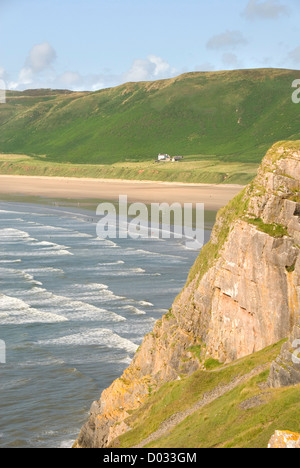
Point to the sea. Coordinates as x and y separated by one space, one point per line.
74 308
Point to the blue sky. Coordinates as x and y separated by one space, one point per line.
94 44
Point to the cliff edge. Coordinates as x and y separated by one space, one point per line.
242 295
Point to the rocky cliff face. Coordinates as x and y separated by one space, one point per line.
242 295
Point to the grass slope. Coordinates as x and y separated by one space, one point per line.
245 417
221 116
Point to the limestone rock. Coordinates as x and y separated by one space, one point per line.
242 295
284 439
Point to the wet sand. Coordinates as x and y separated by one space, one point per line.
213 196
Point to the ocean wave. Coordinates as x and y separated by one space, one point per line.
10 261
10 272
14 212
100 337
71 308
128 272
108 242
51 245
44 270
12 235
119 262
30 278
14 311
13 384
141 252
96 291
145 304
38 253
134 309
57 231
49 361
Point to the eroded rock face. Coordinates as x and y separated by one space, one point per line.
284 439
250 305
242 295
285 371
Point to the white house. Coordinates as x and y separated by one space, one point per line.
164 157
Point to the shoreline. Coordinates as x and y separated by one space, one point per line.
212 195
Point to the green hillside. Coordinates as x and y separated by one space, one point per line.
230 116
222 407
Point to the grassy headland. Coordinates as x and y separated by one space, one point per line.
225 120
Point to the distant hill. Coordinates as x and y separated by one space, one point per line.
234 115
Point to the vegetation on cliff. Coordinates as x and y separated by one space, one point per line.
244 417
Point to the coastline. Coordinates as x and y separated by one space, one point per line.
213 196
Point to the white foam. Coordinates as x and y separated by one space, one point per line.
14 212
26 276
119 262
38 253
92 286
96 291
134 309
57 231
14 311
10 261
67 444
44 270
146 304
141 252
31 279
10 234
100 337
52 245
71 309
128 272
108 242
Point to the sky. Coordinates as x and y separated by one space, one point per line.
95 44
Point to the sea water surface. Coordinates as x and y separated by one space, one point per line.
73 310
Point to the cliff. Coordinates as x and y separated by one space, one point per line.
242 295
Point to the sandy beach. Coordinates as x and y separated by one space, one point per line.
214 196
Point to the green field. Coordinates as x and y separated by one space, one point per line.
227 120
190 170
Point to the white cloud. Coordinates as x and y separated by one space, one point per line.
229 39
40 57
76 82
151 68
38 72
268 9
